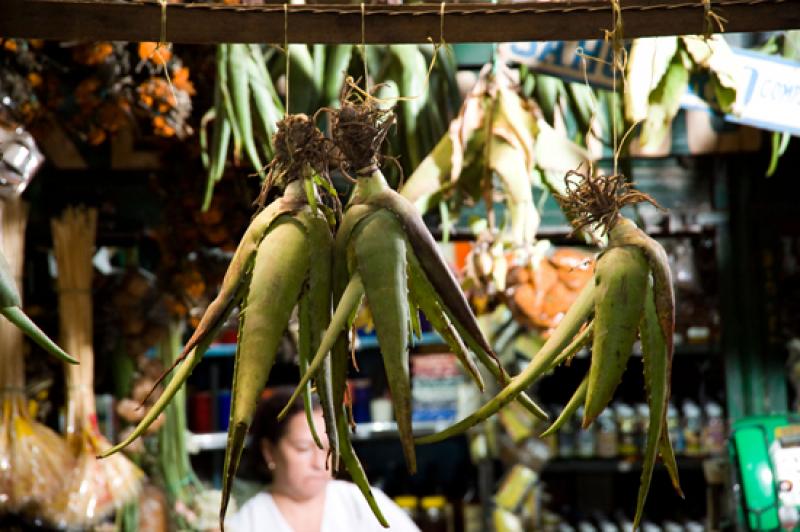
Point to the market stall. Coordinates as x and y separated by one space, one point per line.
542 283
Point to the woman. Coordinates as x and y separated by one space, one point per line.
302 496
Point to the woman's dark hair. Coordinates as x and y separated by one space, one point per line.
267 426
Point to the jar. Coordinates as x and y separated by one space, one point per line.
642 423
606 434
692 428
714 429
627 443
433 514
408 503
674 430
584 438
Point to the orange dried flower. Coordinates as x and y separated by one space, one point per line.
151 51
10 45
161 127
96 136
180 79
85 92
35 79
111 117
93 54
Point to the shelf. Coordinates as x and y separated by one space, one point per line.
388 429
222 350
428 338
612 465
212 441
561 235
215 441
196 23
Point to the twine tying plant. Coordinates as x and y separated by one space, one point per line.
712 20
359 128
162 43
619 61
287 52
300 147
368 94
596 200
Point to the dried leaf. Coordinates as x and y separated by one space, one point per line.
664 103
648 62
715 55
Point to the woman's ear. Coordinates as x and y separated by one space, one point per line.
267 451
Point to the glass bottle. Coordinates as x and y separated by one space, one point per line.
692 428
408 503
714 429
584 438
674 429
626 421
433 516
642 424
606 434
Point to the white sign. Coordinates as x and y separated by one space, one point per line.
568 60
769 98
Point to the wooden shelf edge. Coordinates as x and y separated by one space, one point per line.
216 441
613 465
66 20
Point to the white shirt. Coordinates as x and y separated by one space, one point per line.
345 509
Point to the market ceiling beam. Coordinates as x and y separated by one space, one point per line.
67 20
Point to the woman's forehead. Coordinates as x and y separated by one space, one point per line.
298 425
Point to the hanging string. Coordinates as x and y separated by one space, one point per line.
287 51
162 43
365 92
364 47
595 105
712 20
618 63
622 63
441 25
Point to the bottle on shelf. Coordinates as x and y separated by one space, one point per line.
360 392
692 428
472 510
627 444
566 437
674 429
585 439
607 526
625 524
381 410
409 504
649 526
714 438
434 515
607 436
642 424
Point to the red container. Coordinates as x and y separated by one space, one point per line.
201 418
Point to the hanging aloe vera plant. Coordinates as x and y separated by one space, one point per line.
246 110
631 291
384 253
497 135
282 262
247 104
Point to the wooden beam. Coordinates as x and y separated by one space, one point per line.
66 20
